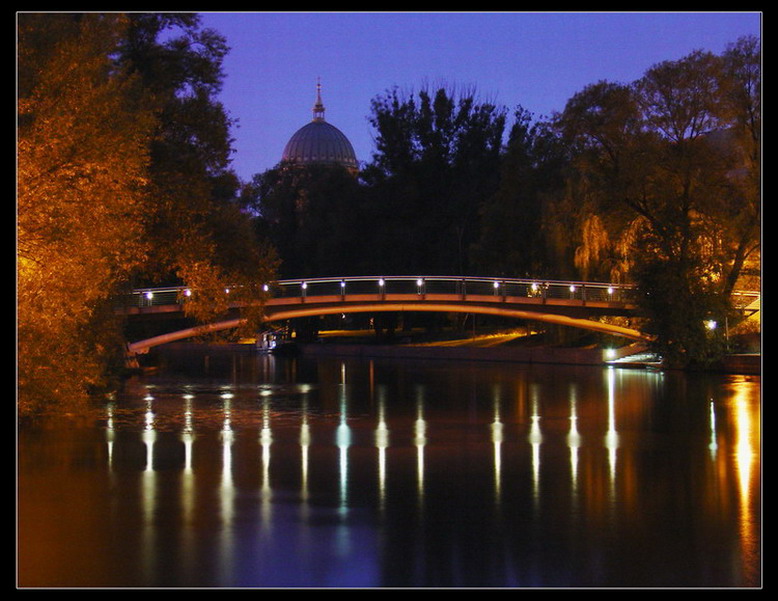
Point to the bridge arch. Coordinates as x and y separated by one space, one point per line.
501 311
312 310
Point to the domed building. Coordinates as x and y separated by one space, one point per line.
320 143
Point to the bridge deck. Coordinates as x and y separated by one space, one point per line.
451 302
576 304
409 302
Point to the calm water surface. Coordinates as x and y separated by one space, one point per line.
242 470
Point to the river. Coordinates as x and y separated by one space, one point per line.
240 470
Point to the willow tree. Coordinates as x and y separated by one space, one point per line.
602 129
83 139
664 157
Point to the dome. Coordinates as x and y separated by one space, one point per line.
320 143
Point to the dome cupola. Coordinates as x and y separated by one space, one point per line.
320 143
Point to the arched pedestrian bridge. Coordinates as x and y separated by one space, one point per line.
570 303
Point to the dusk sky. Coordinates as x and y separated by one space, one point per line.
536 60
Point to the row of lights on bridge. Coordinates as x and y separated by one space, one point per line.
420 284
150 295
381 283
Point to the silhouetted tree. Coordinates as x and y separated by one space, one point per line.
193 223
437 160
512 239
313 215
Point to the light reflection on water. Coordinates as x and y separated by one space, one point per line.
291 473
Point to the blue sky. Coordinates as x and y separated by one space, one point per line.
536 60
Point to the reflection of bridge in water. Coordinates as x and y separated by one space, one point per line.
569 303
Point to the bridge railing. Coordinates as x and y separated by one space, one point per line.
463 286
148 297
426 285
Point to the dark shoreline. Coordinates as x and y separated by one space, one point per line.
747 364
744 364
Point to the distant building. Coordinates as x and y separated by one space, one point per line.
320 143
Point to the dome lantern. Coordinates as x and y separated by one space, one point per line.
318 108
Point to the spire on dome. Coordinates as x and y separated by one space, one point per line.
318 108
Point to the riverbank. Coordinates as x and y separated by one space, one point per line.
632 356
749 364
513 354
635 355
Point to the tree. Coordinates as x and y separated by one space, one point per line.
436 162
83 136
664 164
123 176
513 239
602 128
742 109
314 216
192 219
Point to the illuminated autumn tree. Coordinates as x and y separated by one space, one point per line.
83 137
123 176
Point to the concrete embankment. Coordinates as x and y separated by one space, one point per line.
749 364
632 356
540 354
